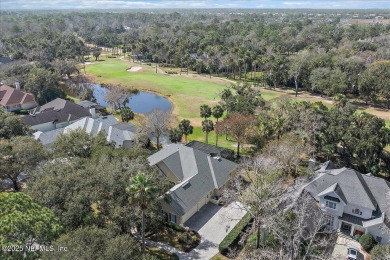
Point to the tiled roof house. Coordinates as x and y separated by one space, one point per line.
14 99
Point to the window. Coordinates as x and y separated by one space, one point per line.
330 204
172 218
357 211
160 212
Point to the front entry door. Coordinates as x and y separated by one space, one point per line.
346 228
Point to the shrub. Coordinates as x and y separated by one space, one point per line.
22 112
367 241
185 238
380 252
234 234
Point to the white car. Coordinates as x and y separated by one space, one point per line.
354 254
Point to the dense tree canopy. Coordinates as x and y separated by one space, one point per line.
11 125
19 154
254 46
93 192
24 222
44 85
95 243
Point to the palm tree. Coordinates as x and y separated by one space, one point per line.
175 135
186 128
207 127
126 114
278 127
142 191
205 111
217 113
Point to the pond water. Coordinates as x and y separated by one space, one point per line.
142 103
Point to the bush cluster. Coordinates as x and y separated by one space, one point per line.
234 234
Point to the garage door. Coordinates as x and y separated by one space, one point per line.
202 202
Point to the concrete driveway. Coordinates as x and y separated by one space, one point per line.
213 223
341 247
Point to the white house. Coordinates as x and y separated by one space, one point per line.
121 134
356 203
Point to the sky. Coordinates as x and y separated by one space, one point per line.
151 4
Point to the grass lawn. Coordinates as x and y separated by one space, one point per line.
186 93
198 135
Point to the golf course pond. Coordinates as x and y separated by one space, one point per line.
142 103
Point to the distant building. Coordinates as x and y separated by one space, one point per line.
14 99
121 134
56 114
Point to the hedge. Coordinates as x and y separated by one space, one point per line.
367 241
234 234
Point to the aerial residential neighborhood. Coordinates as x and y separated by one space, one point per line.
208 130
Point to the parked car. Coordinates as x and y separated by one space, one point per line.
354 254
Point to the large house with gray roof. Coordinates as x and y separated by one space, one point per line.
356 203
196 176
58 113
121 134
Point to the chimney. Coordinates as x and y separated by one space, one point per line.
17 85
92 112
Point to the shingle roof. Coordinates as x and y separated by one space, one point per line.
117 132
93 125
198 172
12 96
49 137
328 165
58 110
357 188
121 132
211 149
352 219
89 104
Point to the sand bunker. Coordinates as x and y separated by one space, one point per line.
88 63
134 69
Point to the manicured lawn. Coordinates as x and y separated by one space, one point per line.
198 135
187 94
